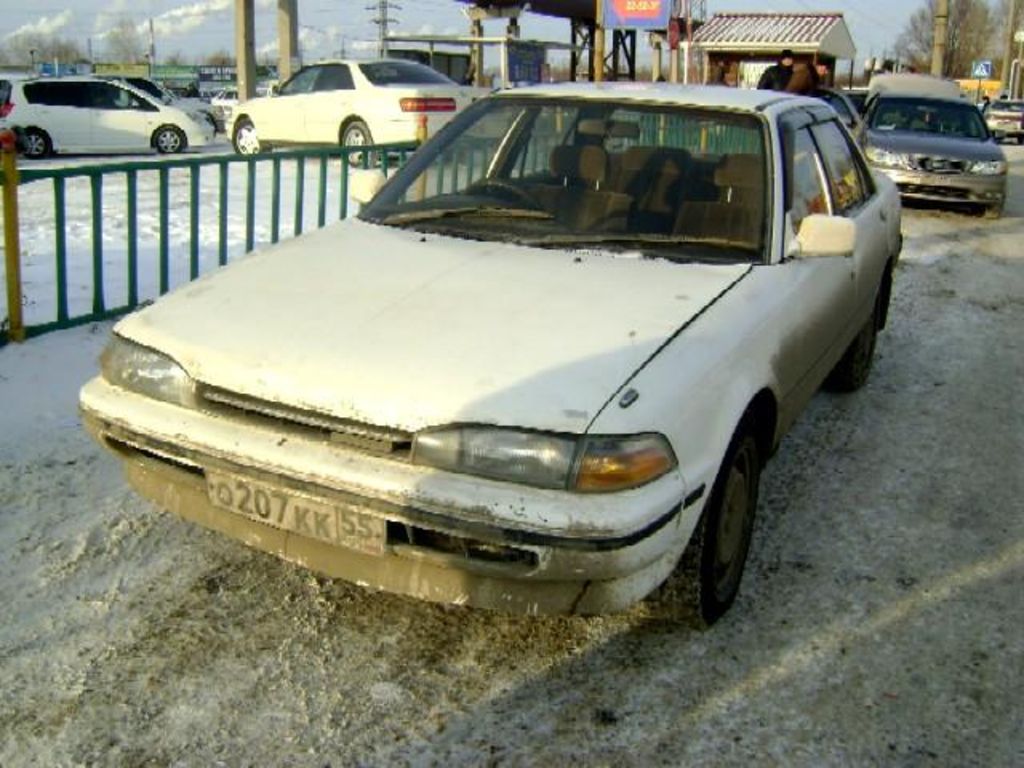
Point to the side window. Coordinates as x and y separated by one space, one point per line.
55 94
847 177
334 77
106 96
301 83
810 193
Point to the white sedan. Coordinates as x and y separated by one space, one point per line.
350 103
542 370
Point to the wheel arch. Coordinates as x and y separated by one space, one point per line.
761 418
348 121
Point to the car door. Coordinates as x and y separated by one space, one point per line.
330 103
121 119
855 197
61 108
284 118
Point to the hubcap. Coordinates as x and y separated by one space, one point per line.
168 141
248 142
34 145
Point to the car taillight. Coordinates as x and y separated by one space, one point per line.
6 109
429 104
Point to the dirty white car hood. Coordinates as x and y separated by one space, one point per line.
409 330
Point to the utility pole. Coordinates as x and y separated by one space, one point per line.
152 47
598 41
382 20
1011 29
939 37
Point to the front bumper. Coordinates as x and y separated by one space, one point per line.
557 552
951 188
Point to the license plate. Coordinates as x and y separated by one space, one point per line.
332 522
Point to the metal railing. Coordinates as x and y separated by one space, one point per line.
326 162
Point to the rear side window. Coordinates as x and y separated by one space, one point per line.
334 77
402 73
5 91
57 94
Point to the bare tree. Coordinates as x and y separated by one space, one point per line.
124 43
29 47
970 31
220 59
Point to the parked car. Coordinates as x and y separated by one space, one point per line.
935 148
194 106
223 104
1005 119
87 114
542 370
350 103
841 103
858 97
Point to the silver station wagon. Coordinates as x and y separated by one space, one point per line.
543 368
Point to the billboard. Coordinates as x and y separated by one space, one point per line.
637 14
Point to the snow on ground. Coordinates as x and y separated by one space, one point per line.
879 622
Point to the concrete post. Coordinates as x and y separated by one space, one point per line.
939 39
288 61
245 48
598 41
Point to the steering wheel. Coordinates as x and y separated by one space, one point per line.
509 191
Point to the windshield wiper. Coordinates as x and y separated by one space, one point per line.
639 239
477 211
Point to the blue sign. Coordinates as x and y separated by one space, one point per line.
525 62
982 69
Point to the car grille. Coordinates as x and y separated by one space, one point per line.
368 438
924 190
938 164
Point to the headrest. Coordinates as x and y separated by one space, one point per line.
587 163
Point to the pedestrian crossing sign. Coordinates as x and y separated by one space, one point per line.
982 69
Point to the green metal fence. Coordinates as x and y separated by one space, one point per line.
229 170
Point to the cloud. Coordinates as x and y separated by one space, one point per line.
184 19
45 26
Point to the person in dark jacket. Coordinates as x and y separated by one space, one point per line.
776 77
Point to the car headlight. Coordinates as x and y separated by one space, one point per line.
989 167
542 460
147 372
886 158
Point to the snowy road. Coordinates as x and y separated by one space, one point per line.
879 621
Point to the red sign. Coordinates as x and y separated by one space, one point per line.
637 14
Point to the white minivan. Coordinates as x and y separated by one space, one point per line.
86 114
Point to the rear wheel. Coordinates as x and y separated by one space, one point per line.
707 579
37 143
355 133
169 140
245 139
993 211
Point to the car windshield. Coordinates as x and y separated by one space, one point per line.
675 182
1007 106
402 73
948 118
154 90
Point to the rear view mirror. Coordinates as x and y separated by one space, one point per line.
822 235
363 185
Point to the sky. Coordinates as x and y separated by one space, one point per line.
330 27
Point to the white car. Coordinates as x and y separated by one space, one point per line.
543 368
87 114
163 95
350 103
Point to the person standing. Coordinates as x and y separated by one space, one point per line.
776 77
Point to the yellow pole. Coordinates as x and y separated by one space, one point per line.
12 243
598 41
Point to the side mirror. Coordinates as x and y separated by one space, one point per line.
364 185
822 235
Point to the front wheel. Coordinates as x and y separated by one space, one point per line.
356 133
169 140
245 139
707 579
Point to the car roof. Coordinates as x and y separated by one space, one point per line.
665 93
914 84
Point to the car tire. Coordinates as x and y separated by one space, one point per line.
853 368
169 140
36 143
993 211
245 139
707 578
355 133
